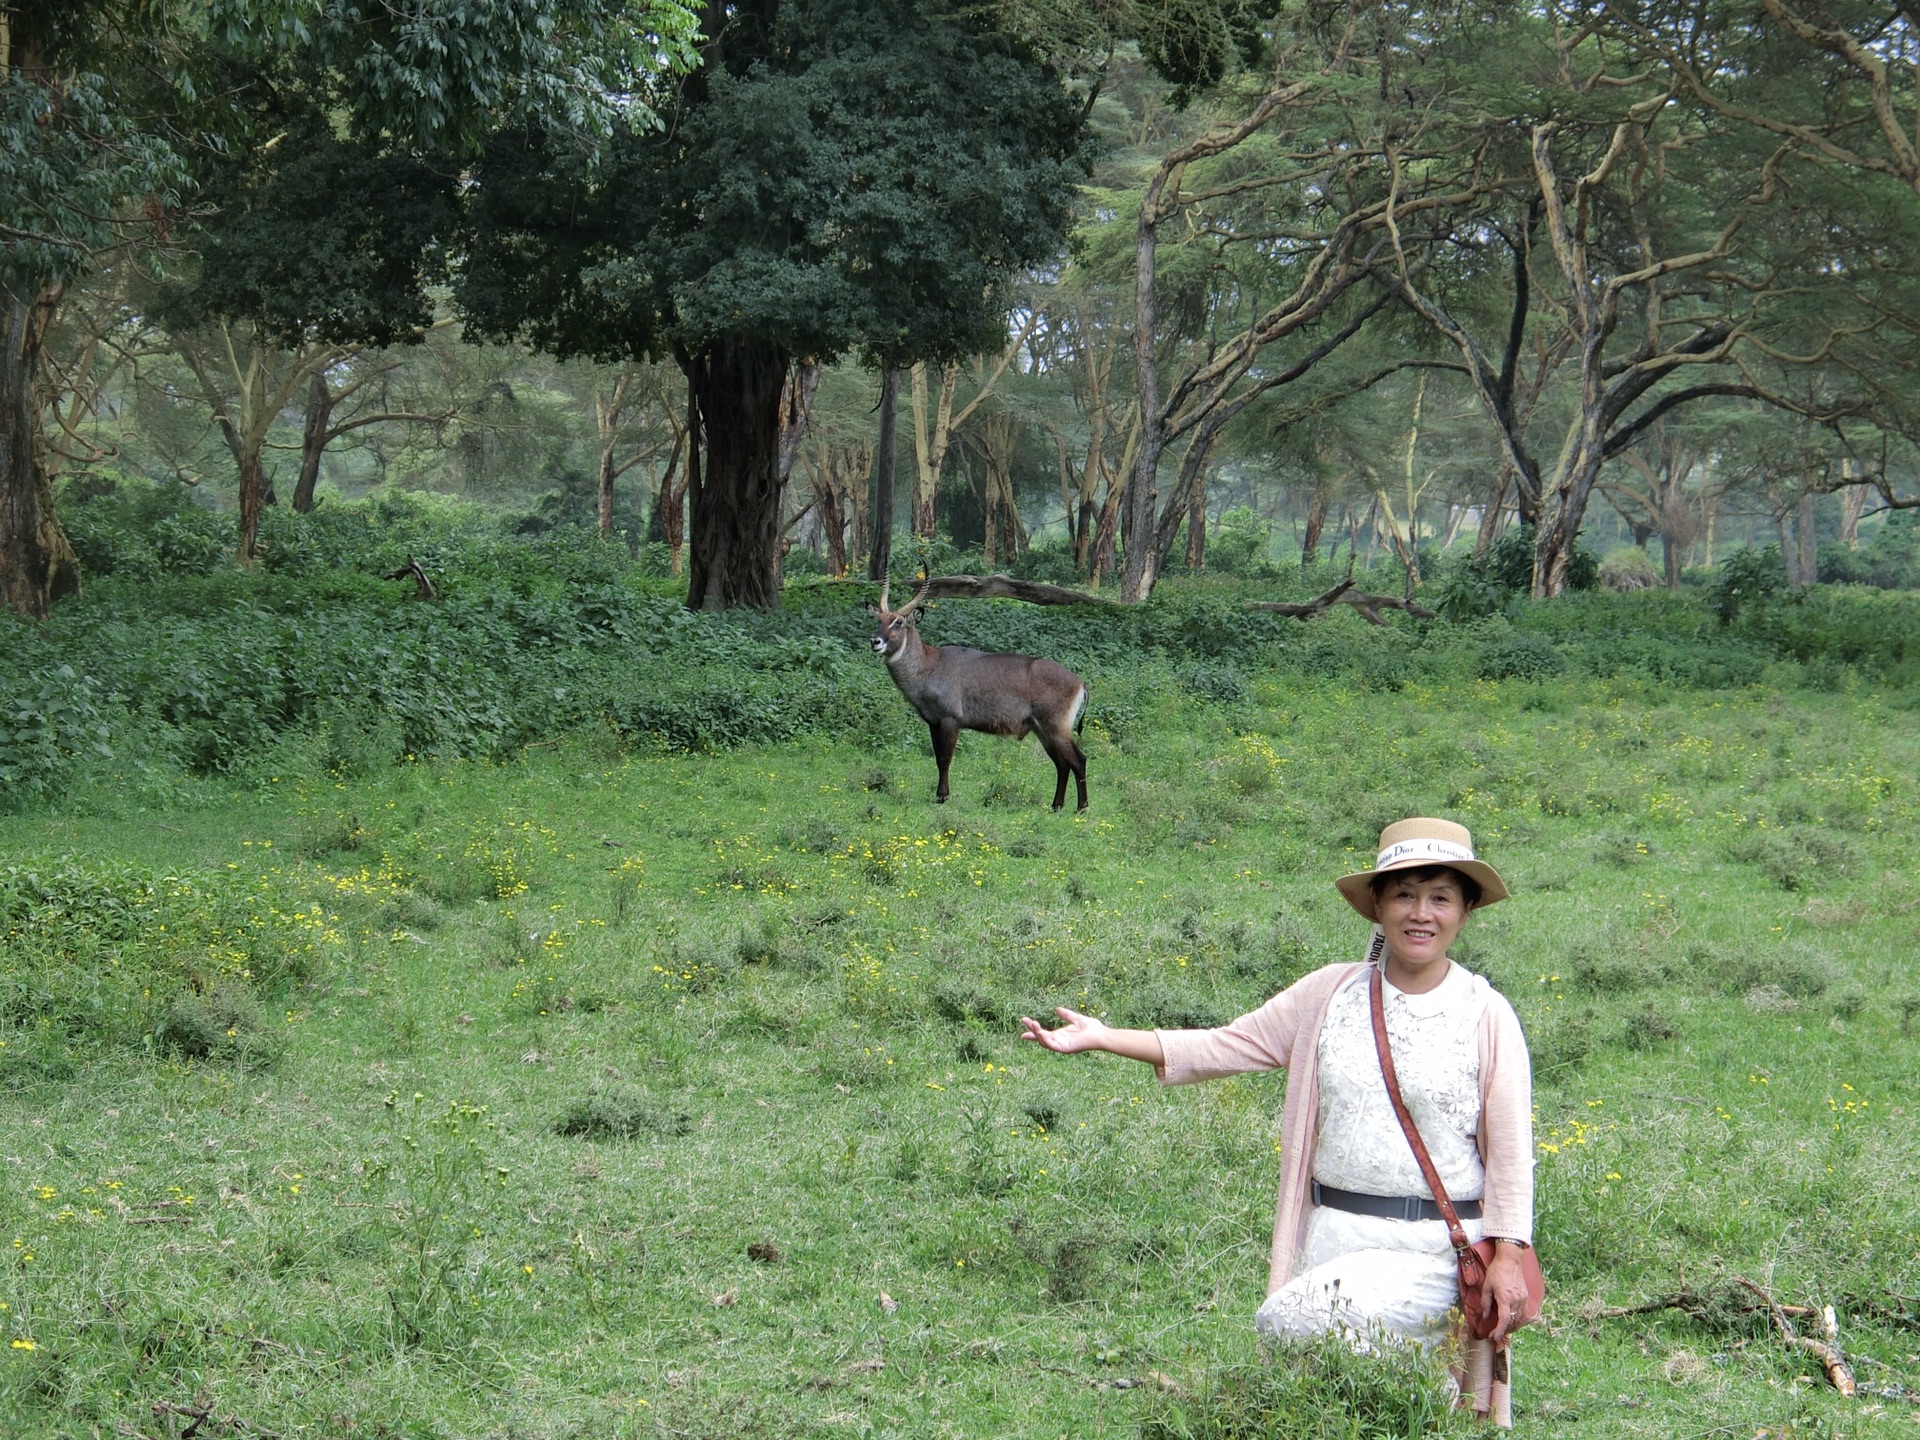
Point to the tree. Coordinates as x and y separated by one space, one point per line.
73 158
106 106
833 178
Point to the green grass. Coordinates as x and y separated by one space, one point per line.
654 1094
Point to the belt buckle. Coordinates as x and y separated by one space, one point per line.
1413 1209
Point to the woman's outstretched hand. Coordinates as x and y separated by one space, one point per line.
1077 1032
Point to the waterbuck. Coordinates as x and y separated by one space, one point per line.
954 688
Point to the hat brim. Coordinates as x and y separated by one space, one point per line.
1358 889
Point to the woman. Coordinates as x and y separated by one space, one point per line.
1347 1254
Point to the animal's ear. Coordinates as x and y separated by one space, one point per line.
872 609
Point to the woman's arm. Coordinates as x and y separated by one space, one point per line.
1079 1032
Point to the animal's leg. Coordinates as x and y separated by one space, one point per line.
946 733
1080 771
1060 754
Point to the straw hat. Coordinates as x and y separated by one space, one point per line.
1412 844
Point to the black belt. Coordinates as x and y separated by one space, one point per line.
1390 1207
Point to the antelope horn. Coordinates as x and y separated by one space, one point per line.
885 581
926 584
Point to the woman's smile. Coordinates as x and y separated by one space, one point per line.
1421 918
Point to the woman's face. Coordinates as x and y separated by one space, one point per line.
1422 917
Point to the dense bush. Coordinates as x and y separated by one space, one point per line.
1889 559
106 953
315 661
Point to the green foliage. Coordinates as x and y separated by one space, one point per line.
438 1174
844 177
1519 656
776 999
1628 568
1314 1391
1888 560
1747 578
1237 543
225 1026
619 1112
49 721
109 954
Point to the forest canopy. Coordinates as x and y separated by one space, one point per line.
1145 281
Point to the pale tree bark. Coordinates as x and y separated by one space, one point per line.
1333 269
837 475
1093 342
670 499
1326 485
98 335
323 422
796 412
935 421
1667 500
1595 288
1005 535
247 383
1197 522
1103 552
609 413
1853 504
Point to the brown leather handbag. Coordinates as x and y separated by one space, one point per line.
1473 1258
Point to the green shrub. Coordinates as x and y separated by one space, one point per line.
1520 656
619 1112
98 951
1628 569
49 720
1747 577
1318 1390
1238 542
224 1025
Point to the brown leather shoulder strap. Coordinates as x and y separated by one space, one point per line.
1456 1232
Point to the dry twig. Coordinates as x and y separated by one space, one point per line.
1839 1373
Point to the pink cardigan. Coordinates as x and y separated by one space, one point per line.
1284 1034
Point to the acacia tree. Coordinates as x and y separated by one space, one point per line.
1662 255
833 178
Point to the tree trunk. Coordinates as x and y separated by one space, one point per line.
1557 536
796 413
1853 504
735 498
1809 541
253 499
1197 522
1137 575
1316 522
881 556
932 431
1669 561
37 564
830 514
313 441
1490 518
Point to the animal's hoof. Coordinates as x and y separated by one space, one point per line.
939 799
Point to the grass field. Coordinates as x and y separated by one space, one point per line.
608 1093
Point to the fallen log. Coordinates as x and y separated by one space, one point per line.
1369 606
1005 587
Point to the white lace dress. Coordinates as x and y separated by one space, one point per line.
1364 1274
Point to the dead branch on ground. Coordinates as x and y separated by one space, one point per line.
1369 606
